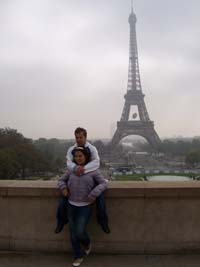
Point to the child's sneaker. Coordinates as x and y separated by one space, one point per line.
77 262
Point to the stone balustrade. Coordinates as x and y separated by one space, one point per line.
145 217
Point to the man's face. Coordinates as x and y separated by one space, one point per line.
80 139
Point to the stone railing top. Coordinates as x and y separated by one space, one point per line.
115 189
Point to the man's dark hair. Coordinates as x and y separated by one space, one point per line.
80 130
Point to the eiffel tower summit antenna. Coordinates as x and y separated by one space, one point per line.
131 6
139 122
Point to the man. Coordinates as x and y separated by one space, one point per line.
81 141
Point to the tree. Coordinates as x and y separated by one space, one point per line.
100 146
193 158
9 165
18 156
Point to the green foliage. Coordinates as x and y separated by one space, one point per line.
179 147
9 165
54 151
10 138
100 146
132 177
19 158
193 158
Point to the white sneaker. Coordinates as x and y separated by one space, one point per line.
77 262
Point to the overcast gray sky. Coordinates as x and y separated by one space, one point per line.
64 63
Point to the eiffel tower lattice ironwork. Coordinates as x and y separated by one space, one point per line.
139 123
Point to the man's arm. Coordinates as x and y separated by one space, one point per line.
94 164
70 164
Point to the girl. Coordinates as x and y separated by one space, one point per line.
82 192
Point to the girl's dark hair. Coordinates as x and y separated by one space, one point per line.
86 152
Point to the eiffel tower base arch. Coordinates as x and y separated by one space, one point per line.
143 129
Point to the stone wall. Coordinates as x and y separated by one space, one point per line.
145 217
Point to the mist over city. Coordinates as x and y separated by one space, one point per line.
65 64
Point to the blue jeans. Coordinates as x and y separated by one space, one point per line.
62 213
102 217
78 220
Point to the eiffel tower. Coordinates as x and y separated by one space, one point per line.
139 122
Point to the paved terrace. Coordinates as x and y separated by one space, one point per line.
62 260
153 224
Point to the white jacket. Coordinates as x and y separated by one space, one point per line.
91 166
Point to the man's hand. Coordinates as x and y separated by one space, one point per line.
79 171
65 192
